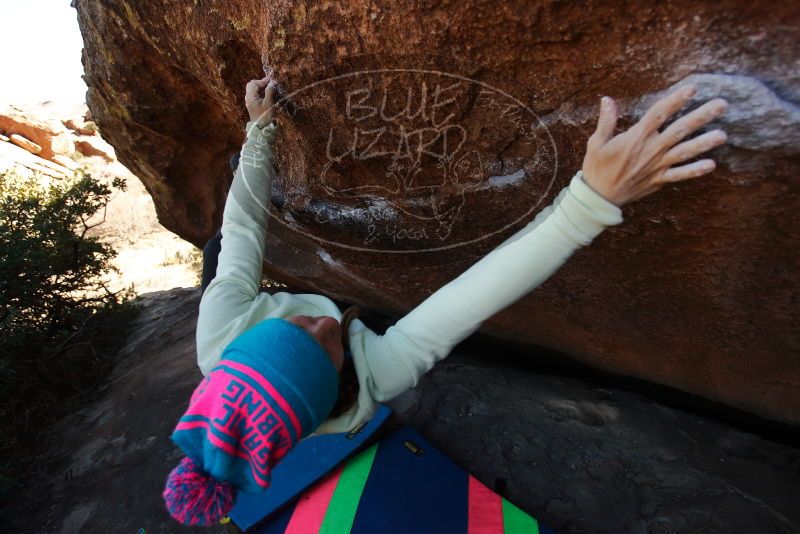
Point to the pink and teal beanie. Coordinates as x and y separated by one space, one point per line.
273 385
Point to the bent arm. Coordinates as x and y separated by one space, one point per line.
244 227
427 334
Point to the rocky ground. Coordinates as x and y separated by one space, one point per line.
582 458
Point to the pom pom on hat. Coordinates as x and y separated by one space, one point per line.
194 498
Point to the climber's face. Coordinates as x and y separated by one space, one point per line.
327 331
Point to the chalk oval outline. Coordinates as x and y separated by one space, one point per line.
433 249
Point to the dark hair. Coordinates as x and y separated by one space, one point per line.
348 379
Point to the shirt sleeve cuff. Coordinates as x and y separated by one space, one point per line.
587 210
261 132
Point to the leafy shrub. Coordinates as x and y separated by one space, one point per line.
56 311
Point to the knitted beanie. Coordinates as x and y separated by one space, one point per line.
273 386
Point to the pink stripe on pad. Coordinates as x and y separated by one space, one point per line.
311 508
485 509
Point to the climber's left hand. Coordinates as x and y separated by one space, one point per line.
640 161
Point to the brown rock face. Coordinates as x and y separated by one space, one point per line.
422 134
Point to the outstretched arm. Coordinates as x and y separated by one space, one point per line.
511 270
615 172
231 293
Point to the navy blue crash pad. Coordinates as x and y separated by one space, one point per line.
401 484
309 461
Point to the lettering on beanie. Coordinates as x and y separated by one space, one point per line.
234 407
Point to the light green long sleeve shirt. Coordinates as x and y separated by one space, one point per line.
386 364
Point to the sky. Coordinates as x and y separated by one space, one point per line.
40 55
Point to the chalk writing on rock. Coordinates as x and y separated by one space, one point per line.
432 145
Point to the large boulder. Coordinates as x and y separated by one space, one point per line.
698 289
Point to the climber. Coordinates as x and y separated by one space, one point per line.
299 363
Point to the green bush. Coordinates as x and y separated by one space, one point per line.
56 311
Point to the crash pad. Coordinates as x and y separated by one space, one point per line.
309 461
400 484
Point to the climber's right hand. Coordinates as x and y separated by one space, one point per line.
640 161
260 108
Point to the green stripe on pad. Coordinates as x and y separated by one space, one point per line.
344 502
515 521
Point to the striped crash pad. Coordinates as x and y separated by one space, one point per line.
400 484
310 460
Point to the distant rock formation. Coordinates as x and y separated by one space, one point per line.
461 123
50 140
